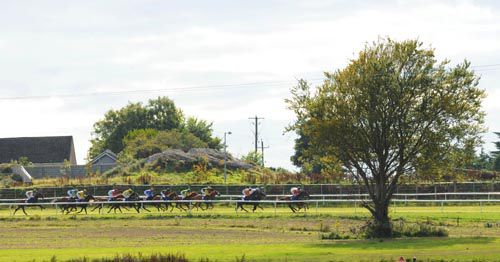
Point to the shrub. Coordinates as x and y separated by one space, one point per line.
408 230
134 258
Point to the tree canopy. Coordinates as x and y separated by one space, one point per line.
159 114
142 143
394 110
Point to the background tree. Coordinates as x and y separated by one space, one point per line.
392 111
495 155
159 114
145 142
253 157
203 130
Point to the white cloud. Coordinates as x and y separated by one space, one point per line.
71 48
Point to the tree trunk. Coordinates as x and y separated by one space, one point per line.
382 226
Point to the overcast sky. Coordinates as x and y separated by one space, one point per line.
222 61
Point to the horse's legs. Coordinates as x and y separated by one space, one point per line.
143 206
244 209
291 207
24 211
18 207
96 207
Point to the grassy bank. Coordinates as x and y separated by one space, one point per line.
224 235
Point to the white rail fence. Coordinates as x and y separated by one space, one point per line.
273 203
324 197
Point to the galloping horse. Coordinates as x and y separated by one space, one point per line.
34 200
156 197
211 196
173 196
118 206
190 205
85 203
253 199
303 195
68 208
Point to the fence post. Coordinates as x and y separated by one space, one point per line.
275 206
317 207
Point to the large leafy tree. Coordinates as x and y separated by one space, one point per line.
159 114
394 110
203 130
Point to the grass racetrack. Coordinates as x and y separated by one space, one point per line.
223 235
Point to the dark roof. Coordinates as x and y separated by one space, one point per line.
106 152
53 149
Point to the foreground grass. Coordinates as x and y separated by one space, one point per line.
224 235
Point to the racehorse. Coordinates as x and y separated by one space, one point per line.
34 200
156 197
68 208
173 196
253 199
118 206
303 195
211 196
84 204
189 205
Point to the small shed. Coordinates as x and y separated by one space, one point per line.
104 161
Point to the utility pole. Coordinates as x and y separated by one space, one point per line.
262 147
256 133
225 156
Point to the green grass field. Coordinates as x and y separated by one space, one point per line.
223 235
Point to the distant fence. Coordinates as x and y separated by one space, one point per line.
38 171
430 191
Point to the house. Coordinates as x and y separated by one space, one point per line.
39 150
104 161
105 158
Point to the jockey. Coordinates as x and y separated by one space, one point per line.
81 195
72 193
127 194
295 192
185 192
165 193
30 195
112 194
206 191
247 192
149 193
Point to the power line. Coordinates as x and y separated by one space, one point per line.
490 65
480 68
160 90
